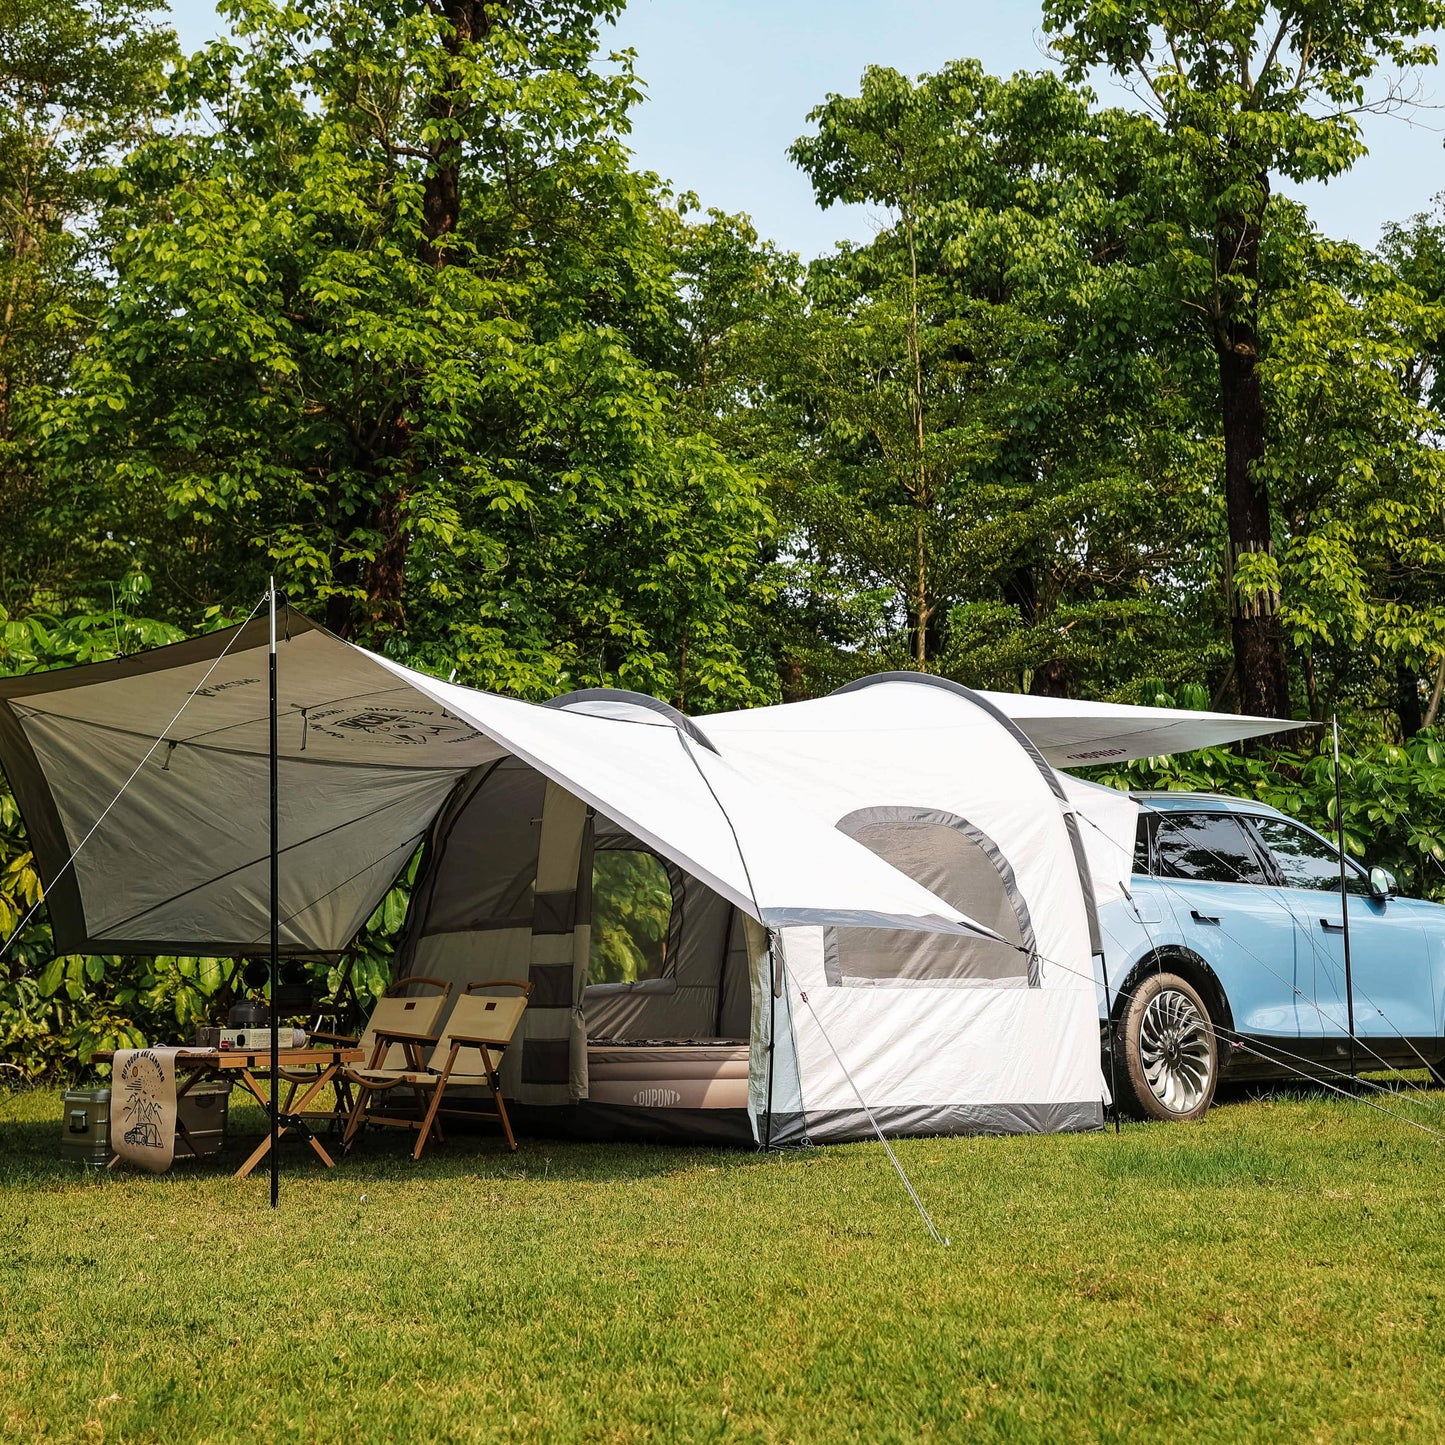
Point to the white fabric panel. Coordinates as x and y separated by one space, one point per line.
1081 734
183 854
907 744
1108 820
939 1048
693 807
910 745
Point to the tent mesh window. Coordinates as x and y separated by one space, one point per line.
632 909
486 871
963 866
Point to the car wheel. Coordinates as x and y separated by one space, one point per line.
1168 1049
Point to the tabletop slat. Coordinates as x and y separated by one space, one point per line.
251 1058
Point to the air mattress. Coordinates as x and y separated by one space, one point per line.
669 1076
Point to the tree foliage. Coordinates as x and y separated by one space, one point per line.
435 423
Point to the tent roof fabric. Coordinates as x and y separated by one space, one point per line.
1074 734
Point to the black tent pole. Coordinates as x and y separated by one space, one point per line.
1344 894
275 927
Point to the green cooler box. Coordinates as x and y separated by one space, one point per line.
85 1126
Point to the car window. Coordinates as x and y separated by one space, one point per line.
1206 847
1304 860
1141 844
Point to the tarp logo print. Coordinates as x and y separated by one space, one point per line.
410 727
142 1080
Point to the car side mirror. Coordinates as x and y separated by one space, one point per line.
1382 884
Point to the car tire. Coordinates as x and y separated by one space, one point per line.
1168 1051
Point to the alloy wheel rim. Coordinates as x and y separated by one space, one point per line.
1174 1049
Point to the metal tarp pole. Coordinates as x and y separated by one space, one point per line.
275 926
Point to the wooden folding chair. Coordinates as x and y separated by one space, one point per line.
481 1025
409 1020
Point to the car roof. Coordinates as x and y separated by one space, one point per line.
1204 803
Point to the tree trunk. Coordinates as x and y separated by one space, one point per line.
386 572
793 680
1259 661
441 194
1050 679
1407 701
384 578
922 606
1433 711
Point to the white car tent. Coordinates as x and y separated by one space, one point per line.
882 897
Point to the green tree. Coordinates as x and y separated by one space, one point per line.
995 456
1356 476
1240 93
381 306
79 80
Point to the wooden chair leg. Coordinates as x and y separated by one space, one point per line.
355 1118
496 1087
438 1089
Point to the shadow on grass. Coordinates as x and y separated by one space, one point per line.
30 1154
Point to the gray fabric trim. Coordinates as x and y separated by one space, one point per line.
551 985
546 1061
863 817
866 918
838 1126
618 1123
555 912
679 720
1086 879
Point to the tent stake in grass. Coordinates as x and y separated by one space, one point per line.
275 923
1344 895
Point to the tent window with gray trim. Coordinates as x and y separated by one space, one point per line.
954 860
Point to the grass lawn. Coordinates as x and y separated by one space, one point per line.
1274 1273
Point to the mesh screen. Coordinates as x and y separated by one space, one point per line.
962 866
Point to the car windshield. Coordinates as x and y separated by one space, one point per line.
1205 847
1304 860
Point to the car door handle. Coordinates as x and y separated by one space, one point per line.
1331 927
1199 917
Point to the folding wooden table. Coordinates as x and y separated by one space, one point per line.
195 1065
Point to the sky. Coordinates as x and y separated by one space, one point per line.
730 84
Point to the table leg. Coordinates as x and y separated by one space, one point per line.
256 1157
321 1153
292 1121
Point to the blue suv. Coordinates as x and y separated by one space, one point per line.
1227 959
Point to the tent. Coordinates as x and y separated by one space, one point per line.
878 899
